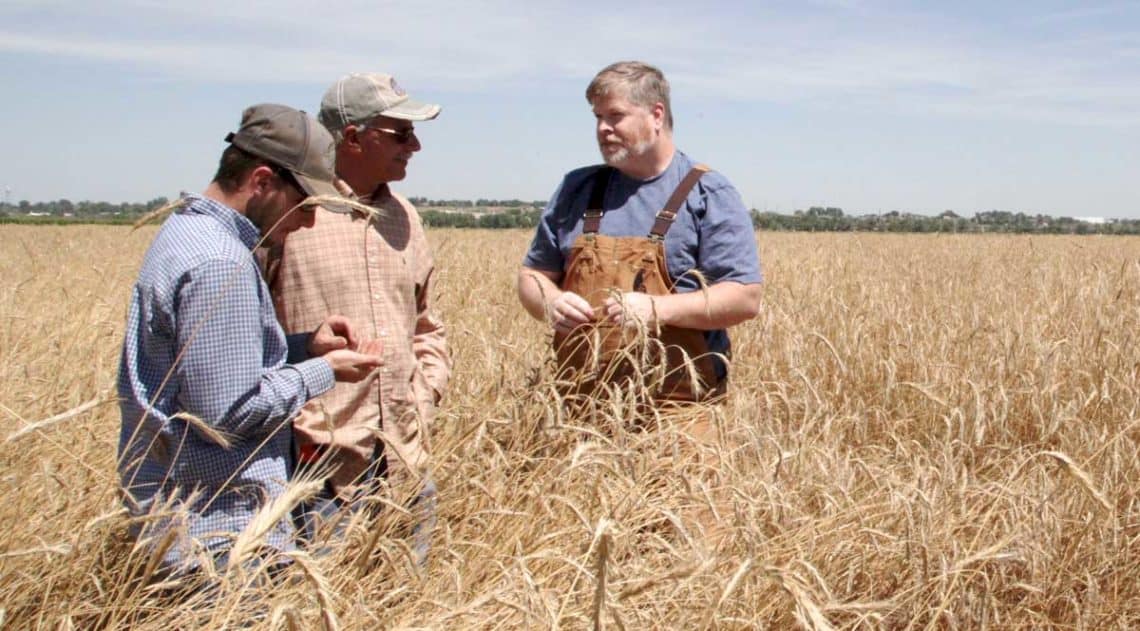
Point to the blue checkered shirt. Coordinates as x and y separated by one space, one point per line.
202 339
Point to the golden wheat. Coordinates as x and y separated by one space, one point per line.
922 432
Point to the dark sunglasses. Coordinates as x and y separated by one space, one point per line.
402 136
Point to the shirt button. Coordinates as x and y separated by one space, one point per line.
376 296
383 332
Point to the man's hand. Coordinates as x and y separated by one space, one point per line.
372 347
633 307
335 333
351 366
568 311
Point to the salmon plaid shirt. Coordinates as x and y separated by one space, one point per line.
379 273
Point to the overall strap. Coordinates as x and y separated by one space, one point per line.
592 220
669 213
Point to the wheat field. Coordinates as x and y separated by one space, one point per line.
922 432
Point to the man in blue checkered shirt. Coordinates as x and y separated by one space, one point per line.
205 394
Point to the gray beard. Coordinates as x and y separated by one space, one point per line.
619 157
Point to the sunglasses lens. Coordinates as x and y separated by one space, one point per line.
402 137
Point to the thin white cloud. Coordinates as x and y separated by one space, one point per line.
837 54
1084 12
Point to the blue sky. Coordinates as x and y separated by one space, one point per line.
869 106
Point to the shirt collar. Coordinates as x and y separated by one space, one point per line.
234 222
378 196
381 193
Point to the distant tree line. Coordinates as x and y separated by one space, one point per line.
478 203
831 219
509 218
64 210
514 213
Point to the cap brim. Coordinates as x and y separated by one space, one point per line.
316 188
412 110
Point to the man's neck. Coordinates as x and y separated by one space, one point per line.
365 188
236 201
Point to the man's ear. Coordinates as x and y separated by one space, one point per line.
260 179
350 137
659 115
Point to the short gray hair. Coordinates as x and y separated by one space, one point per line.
641 83
338 133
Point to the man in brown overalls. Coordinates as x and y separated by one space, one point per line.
642 263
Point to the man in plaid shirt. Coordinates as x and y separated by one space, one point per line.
205 394
372 264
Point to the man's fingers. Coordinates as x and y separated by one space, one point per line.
352 366
324 340
341 326
612 310
372 347
578 305
576 317
367 360
570 309
350 338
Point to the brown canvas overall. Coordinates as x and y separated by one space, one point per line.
601 355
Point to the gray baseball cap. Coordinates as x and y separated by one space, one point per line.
290 139
358 98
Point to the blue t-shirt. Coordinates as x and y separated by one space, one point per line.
712 232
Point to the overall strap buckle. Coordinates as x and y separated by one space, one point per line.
665 218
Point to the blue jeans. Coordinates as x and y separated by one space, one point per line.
327 514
